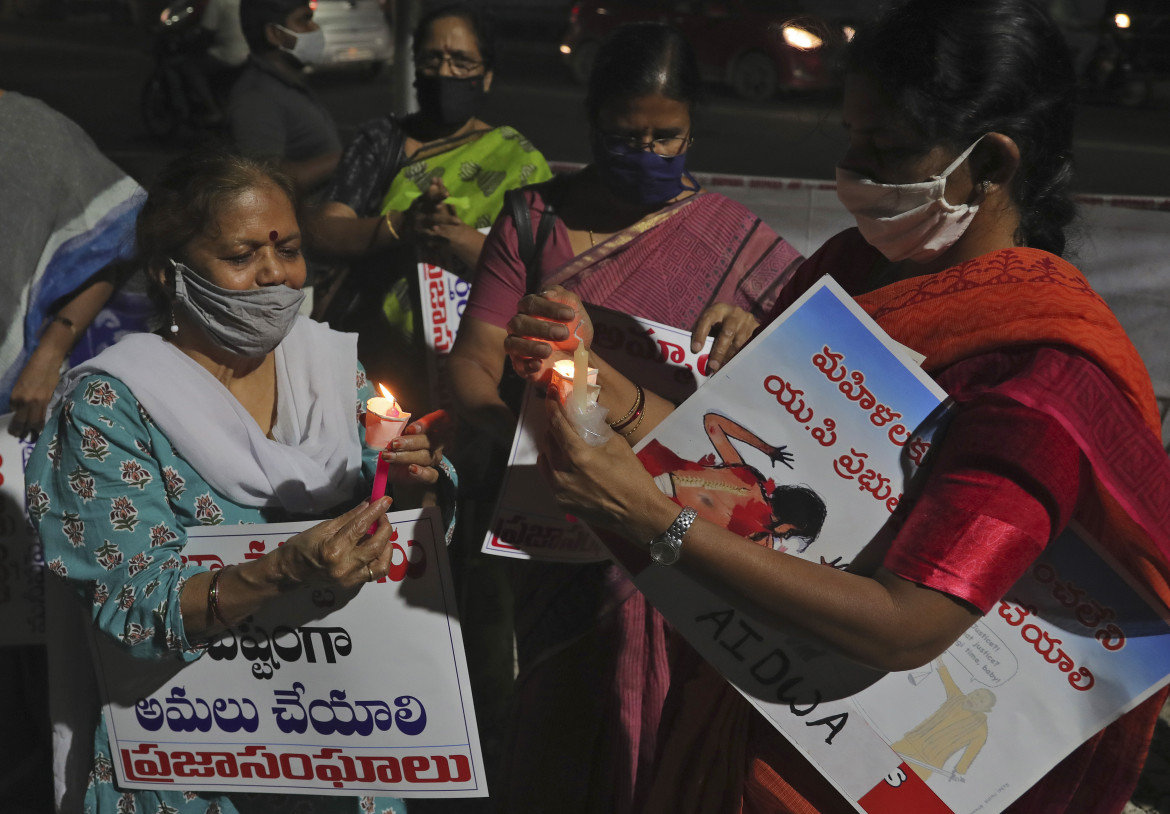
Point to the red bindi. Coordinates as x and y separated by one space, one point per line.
273 235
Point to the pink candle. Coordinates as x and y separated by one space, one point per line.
384 422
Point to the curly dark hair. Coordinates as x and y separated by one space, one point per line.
958 69
184 202
185 198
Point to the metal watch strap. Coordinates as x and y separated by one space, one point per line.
664 549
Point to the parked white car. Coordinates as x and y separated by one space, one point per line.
356 33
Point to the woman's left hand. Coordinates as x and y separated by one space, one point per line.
424 213
33 391
603 485
435 225
732 328
546 328
419 450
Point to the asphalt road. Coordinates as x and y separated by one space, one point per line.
93 72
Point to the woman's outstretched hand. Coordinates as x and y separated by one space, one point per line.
781 455
339 551
546 328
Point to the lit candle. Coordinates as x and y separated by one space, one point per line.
564 376
384 422
580 377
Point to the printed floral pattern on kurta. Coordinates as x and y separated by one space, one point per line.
112 501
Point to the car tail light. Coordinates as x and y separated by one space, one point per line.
801 38
574 14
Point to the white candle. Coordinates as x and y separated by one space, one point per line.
580 377
563 376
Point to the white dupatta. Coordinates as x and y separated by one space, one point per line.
312 462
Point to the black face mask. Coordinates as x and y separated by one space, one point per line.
447 100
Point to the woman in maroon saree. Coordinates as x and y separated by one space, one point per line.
1054 420
634 234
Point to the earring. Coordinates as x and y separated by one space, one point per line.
985 184
174 325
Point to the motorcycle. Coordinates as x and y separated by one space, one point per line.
169 101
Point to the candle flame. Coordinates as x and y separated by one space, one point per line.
386 393
564 368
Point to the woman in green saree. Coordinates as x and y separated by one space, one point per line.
419 187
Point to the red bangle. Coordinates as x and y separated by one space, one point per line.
632 416
213 597
638 416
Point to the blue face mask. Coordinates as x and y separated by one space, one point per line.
640 176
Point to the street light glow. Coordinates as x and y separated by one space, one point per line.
801 39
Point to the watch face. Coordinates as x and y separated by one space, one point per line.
664 552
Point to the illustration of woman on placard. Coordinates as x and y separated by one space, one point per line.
736 494
958 725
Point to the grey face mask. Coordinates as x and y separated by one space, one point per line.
248 323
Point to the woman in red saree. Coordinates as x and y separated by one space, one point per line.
735 493
633 233
1055 418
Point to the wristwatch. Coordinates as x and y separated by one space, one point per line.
664 549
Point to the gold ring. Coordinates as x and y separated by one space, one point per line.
370 571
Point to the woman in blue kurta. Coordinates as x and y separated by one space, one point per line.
241 412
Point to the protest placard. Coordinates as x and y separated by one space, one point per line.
527 523
22 580
323 692
444 296
823 405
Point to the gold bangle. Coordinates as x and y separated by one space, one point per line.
639 400
66 321
638 423
213 597
390 226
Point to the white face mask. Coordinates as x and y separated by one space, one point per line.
906 221
309 46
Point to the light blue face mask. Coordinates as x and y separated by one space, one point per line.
247 323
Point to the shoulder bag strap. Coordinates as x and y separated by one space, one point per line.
547 221
524 245
530 250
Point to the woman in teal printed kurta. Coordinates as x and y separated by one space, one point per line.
112 500
152 440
